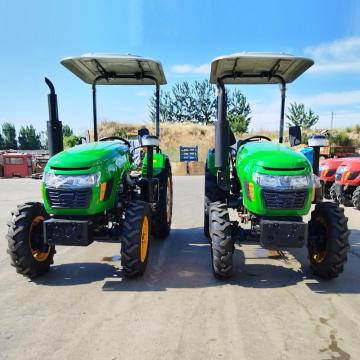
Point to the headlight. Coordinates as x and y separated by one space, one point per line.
71 181
283 182
316 181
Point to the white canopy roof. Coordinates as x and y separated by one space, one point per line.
258 68
89 66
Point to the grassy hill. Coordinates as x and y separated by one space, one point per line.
175 134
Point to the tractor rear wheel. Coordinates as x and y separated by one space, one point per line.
222 244
135 238
162 215
213 193
328 240
29 254
333 194
356 198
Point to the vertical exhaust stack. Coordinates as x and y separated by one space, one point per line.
221 129
54 126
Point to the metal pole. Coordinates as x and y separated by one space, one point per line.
157 125
332 120
94 110
282 113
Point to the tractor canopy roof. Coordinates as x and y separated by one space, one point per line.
258 68
116 69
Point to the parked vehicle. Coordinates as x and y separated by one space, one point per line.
269 185
327 170
95 191
347 183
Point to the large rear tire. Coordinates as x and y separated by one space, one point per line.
135 238
328 240
222 243
162 215
29 254
213 193
356 198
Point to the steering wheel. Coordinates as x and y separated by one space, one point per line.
253 138
106 138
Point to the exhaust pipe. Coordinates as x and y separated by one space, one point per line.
221 129
54 126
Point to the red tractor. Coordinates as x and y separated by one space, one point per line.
327 170
347 182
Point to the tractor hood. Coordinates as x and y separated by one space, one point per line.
271 157
87 155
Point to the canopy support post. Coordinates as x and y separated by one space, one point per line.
157 120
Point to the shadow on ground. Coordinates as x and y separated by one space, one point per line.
183 261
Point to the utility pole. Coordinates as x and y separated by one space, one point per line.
332 120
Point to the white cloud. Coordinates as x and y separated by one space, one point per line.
142 93
345 104
191 69
339 56
332 99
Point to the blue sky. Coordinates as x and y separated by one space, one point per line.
185 35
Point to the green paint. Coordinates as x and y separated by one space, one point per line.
256 157
110 158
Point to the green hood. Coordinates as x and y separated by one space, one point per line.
87 155
271 156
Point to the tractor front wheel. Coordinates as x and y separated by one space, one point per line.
213 193
162 214
222 244
135 238
356 198
29 254
333 194
328 240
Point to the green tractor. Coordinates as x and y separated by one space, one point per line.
268 185
95 191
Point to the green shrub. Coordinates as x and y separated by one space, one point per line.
70 141
340 138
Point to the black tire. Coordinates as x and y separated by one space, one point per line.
162 215
333 194
29 254
212 194
222 243
206 217
133 256
328 240
356 198
326 191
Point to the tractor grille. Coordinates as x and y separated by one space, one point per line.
68 199
285 200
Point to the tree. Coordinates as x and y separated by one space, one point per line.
238 123
2 144
299 116
28 138
238 111
67 131
166 110
205 102
9 134
183 105
197 103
